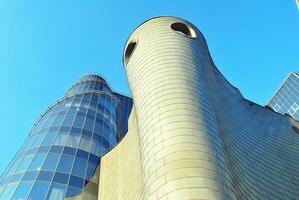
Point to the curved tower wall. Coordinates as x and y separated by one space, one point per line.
167 73
121 171
192 135
64 147
260 146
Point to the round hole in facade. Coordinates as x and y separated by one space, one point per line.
129 51
183 29
296 129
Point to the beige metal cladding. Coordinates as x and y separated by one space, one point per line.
121 175
167 62
191 134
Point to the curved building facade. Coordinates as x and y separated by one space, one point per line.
192 135
64 146
167 76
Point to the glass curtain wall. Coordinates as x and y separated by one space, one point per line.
286 99
64 147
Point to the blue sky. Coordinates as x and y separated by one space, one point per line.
46 46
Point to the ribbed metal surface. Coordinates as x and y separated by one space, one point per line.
167 75
199 138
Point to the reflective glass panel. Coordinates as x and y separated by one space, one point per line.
51 162
79 167
73 141
65 163
23 190
25 163
66 142
29 176
8 191
56 191
39 190
37 161
60 139
61 178
45 176
49 139
72 191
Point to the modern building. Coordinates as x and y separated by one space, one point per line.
64 146
286 97
190 133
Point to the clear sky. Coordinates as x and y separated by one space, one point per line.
46 46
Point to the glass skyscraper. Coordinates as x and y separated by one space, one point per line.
286 98
64 146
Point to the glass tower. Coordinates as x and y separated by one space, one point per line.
286 98
64 146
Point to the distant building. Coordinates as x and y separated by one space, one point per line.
286 98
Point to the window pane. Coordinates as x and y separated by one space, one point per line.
61 178
49 139
39 191
73 141
60 139
88 125
84 143
23 190
82 154
76 181
16 177
79 167
32 151
69 151
9 190
43 149
58 120
90 169
1 188
79 121
29 143
39 139
95 148
68 121
56 191
72 191
25 163
56 149
86 133
29 176
15 166
49 121
45 176
98 126
65 163
37 162
51 162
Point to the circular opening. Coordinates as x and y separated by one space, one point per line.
129 51
183 29
295 128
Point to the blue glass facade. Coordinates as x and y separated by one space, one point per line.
286 99
64 146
